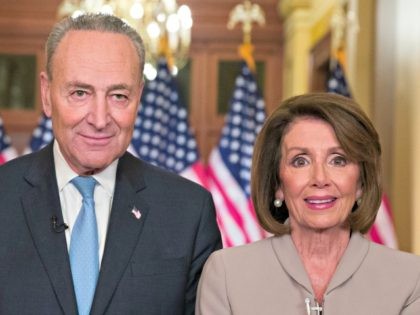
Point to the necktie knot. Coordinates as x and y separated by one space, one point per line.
85 185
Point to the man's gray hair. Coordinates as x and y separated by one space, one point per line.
92 22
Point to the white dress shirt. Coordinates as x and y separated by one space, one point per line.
71 199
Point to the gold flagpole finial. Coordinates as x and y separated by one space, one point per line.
246 13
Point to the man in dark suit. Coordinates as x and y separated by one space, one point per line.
136 243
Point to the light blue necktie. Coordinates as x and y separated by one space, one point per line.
84 247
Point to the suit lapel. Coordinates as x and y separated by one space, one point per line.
123 232
354 255
40 203
350 262
288 257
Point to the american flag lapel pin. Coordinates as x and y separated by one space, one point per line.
136 213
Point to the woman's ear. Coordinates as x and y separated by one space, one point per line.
279 193
359 192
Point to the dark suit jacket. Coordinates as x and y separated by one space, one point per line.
149 266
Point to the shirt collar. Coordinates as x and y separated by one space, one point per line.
65 174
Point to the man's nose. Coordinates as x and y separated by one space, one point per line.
99 114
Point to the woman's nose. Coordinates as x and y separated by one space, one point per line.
320 176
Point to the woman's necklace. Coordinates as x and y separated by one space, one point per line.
309 309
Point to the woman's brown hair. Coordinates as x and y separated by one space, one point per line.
354 132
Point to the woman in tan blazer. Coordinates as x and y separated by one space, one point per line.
316 187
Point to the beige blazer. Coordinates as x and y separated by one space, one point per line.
268 277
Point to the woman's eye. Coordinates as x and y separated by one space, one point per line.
299 161
339 160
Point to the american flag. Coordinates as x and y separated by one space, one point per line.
382 231
229 169
162 135
337 82
7 152
41 136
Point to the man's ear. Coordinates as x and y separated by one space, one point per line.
45 93
141 87
141 91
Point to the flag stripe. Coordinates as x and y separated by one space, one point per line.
229 207
384 228
196 173
9 153
232 234
234 202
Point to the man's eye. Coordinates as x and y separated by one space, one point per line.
79 93
120 97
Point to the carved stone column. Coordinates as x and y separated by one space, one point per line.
297 35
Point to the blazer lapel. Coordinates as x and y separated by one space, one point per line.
353 257
40 203
288 257
124 230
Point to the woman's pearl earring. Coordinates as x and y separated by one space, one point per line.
278 203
